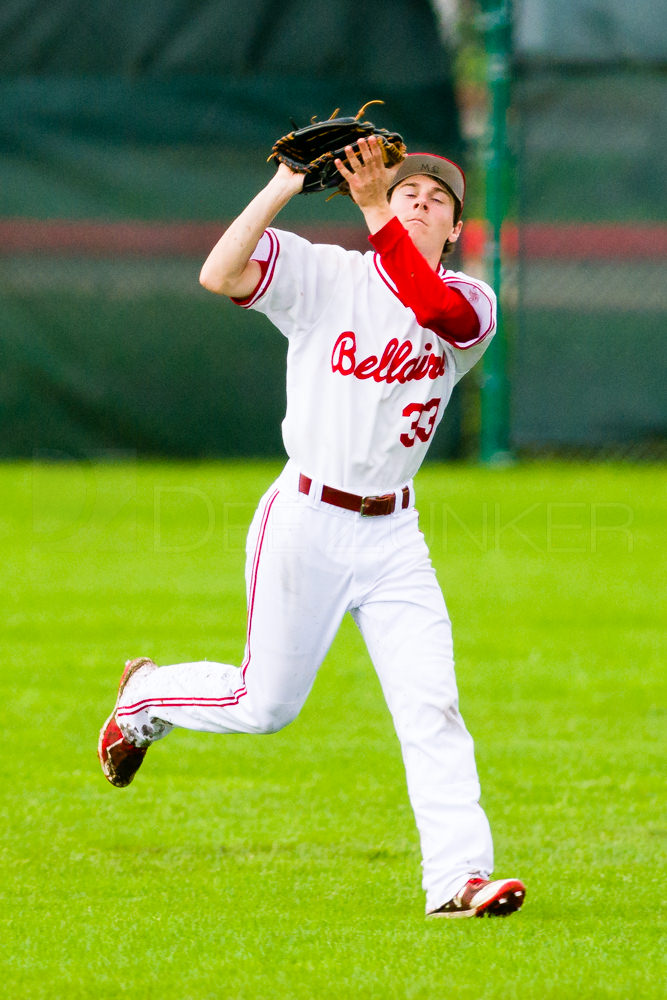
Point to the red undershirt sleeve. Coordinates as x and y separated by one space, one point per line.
436 306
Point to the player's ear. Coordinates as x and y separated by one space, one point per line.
455 233
450 241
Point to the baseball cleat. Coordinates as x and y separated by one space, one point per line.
480 897
119 758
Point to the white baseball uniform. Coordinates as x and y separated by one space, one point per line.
376 343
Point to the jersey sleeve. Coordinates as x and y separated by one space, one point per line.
266 255
296 281
482 298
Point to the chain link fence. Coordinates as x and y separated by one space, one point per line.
586 271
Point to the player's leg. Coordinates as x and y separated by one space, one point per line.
296 600
294 610
405 624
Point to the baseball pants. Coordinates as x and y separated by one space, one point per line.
307 564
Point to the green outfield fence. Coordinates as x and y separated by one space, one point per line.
131 134
130 137
588 362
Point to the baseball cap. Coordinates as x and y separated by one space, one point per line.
444 170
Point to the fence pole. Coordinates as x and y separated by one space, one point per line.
496 24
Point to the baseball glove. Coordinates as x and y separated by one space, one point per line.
311 150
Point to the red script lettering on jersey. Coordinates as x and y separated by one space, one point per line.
396 364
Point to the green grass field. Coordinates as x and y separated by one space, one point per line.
288 866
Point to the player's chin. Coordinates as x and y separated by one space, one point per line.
420 236
419 232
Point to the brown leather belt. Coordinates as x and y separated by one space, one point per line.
366 506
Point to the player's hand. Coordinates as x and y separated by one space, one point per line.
366 174
290 180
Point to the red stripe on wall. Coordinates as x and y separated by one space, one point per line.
571 240
606 241
144 239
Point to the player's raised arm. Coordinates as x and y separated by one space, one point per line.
228 269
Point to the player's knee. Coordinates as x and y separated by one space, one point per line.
428 710
273 718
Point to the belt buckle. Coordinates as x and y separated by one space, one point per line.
367 504
363 511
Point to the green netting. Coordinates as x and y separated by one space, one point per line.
166 112
589 364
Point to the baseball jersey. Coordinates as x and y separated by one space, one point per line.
367 383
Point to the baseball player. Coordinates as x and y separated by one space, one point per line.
376 343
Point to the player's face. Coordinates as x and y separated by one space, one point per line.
426 210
